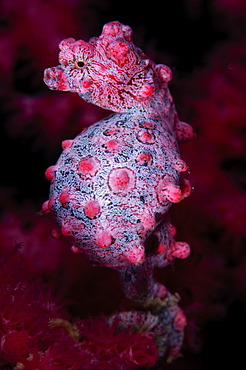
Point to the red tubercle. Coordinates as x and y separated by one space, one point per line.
148 221
112 146
86 84
168 191
66 229
92 209
135 255
162 248
145 91
88 166
47 206
144 159
173 193
179 250
64 197
121 180
50 173
146 137
104 239
180 165
66 144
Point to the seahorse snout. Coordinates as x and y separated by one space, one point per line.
55 78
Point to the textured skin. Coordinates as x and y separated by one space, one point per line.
114 183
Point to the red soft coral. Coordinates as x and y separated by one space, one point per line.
113 346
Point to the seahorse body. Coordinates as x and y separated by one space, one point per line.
114 183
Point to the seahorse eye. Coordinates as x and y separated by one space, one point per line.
80 63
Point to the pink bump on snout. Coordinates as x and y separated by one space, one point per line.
92 209
45 207
145 91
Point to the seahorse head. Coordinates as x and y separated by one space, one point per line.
109 70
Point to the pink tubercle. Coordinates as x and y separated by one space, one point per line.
180 250
66 144
146 137
121 180
162 248
144 159
148 221
92 209
64 197
86 84
88 166
168 191
45 207
135 255
66 230
180 165
50 173
145 91
162 291
174 193
112 145
164 72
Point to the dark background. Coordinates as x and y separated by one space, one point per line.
204 44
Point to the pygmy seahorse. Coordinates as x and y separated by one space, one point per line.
114 183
